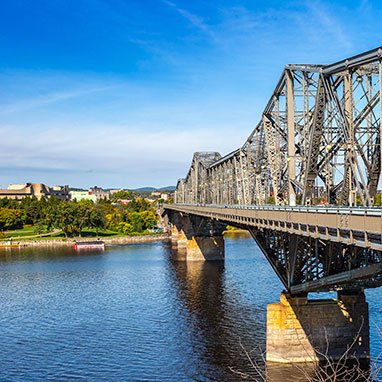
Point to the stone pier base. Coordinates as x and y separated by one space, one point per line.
302 330
174 237
196 238
205 248
198 248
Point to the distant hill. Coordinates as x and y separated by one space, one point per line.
168 188
150 189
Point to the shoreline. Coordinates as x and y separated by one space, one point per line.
106 240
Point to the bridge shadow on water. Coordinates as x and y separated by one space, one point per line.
221 326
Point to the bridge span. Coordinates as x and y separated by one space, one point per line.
318 139
310 248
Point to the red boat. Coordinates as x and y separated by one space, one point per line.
89 245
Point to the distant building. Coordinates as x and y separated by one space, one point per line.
164 196
99 192
155 193
115 191
83 195
38 190
60 192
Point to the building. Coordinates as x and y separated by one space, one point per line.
164 196
99 192
115 191
60 192
38 190
83 195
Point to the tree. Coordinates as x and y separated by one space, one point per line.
38 228
97 218
136 220
81 215
64 217
11 218
32 208
149 219
122 195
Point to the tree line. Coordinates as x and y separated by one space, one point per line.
72 217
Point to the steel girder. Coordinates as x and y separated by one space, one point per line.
321 130
311 264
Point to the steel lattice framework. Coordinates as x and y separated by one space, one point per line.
321 126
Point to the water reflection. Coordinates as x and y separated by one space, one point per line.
220 322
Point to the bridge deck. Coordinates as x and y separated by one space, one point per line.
360 226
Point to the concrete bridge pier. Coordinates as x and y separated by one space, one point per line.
174 237
197 238
302 330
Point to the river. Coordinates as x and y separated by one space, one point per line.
132 313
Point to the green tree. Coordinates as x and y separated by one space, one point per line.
11 218
81 215
149 219
122 195
38 228
9 203
49 212
136 220
64 217
32 208
97 218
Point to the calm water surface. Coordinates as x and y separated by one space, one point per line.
132 313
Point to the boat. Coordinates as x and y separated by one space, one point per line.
10 244
89 245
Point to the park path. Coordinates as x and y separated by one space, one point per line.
33 236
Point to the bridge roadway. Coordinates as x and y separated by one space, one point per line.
360 226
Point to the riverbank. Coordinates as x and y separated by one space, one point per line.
110 240
107 240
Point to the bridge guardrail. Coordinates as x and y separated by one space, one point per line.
357 226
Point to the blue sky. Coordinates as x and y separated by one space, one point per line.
121 93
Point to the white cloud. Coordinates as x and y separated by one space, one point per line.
47 99
192 18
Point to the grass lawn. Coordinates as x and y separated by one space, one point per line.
86 233
26 231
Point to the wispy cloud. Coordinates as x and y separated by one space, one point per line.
47 99
197 21
328 23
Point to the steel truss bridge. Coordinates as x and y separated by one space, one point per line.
319 135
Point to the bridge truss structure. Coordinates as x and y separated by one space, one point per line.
322 126
322 129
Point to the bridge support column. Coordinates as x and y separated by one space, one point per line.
302 330
182 241
205 248
174 237
196 238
